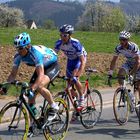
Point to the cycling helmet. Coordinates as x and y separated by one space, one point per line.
22 40
124 35
66 28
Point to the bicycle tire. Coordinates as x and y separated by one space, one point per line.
19 125
59 127
92 111
64 96
138 114
137 108
121 106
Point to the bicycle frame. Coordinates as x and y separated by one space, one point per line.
22 101
124 97
86 89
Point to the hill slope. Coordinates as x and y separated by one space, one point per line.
41 10
64 12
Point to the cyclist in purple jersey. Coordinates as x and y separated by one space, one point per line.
76 58
132 54
46 69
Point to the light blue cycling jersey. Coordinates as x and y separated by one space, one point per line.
73 49
130 53
37 56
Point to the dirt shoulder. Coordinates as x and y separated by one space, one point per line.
100 61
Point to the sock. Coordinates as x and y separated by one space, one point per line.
82 97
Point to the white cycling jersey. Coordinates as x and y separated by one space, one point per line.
130 53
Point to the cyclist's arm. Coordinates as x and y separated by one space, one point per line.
136 65
40 73
13 74
82 66
113 62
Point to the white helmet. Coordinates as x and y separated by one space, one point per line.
124 35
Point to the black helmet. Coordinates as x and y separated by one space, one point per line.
66 28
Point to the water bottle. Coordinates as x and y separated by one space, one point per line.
34 110
132 100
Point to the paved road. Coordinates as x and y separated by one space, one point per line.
107 95
106 128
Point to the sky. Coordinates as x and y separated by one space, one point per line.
1 1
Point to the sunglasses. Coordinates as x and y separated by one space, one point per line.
122 39
19 48
64 35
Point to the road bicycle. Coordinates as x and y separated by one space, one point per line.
14 118
92 110
125 99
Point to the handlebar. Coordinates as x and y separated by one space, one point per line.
16 83
129 79
91 70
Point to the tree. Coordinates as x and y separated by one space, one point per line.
99 16
49 24
10 17
114 20
133 23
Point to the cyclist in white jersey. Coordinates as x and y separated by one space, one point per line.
131 52
46 69
76 57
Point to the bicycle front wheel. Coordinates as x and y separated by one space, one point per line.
121 106
57 129
64 96
138 113
14 124
91 113
137 106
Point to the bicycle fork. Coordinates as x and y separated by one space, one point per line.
18 110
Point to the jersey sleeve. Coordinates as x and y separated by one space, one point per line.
57 46
37 57
79 49
135 49
116 51
17 60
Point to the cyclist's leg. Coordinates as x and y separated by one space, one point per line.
50 73
122 72
71 71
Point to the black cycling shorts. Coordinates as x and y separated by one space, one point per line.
51 71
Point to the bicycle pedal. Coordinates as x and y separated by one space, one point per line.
30 134
77 114
46 124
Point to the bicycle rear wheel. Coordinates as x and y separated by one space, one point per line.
14 124
90 115
121 106
57 129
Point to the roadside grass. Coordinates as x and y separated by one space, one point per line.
93 41
95 81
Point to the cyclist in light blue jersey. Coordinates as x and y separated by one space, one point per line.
46 69
131 52
76 58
